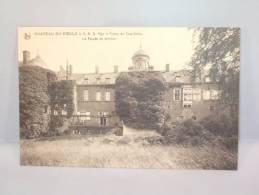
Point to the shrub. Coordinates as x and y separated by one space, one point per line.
188 132
225 127
221 125
216 131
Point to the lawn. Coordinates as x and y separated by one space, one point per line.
128 151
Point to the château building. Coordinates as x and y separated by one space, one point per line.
94 93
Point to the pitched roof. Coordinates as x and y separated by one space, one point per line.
181 76
37 61
95 78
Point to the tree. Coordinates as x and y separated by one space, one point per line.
34 100
139 97
219 48
61 101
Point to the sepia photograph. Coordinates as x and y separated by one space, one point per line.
129 97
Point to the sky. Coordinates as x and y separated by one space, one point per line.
105 47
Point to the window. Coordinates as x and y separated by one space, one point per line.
187 94
214 94
187 105
178 79
86 95
103 113
98 96
55 112
98 80
187 97
64 112
177 95
196 94
86 81
107 96
206 94
107 80
85 116
103 121
103 118
88 118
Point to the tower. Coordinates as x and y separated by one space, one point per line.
140 61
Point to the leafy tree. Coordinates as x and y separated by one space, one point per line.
62 102
219 49
34 100
139 97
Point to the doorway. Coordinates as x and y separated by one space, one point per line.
103 121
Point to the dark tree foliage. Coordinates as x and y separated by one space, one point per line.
34 100
61 100
219 48
139 97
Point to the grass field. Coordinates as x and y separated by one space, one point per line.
128 151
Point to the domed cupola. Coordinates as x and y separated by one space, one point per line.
140 61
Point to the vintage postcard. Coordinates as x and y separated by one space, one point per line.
129 97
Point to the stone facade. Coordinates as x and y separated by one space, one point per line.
192 100
96 104
94 93
185 98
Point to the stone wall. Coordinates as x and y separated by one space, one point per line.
93 109
199 108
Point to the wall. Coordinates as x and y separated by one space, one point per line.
95 107
199 109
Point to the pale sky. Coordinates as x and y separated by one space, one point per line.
55 46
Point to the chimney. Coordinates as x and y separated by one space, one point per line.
96 69
116 69
70 69
26 57
167 67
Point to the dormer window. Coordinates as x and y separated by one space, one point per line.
107 80
98 80
178 79
86 81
